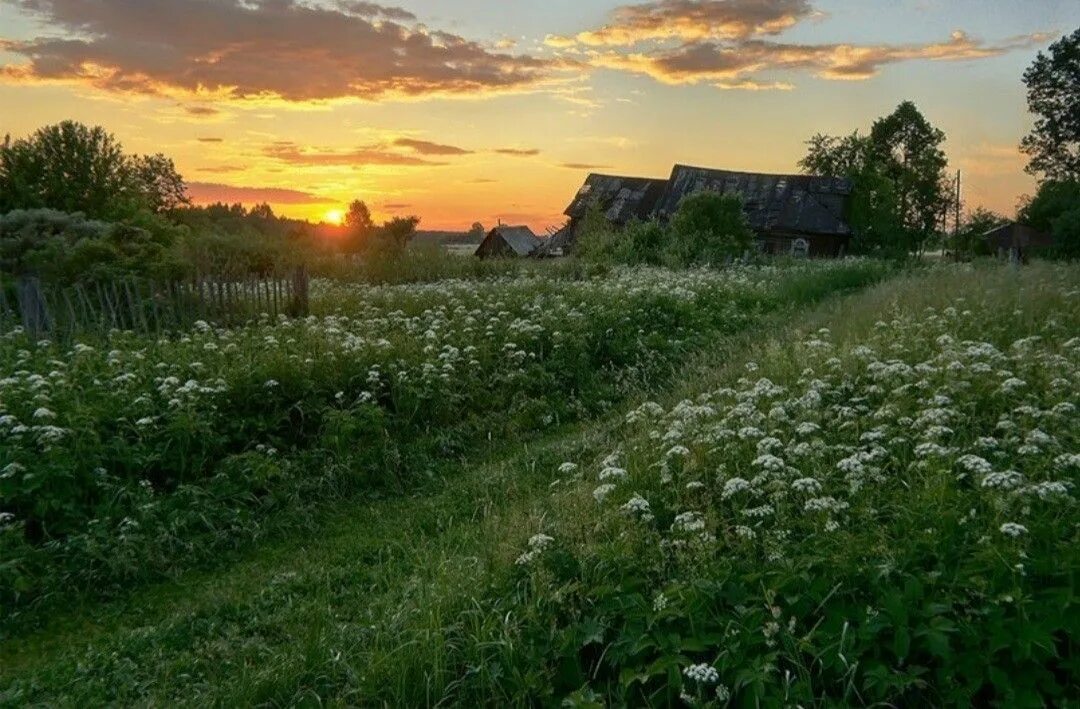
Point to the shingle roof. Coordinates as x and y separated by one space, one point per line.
621 198
519 238
799 203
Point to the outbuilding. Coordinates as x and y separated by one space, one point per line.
508 242
1016 241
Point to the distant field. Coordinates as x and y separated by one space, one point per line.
460 249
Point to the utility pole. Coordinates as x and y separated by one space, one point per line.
956 222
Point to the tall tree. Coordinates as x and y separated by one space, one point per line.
874 214
908 148
1053 95
71 167
160 185
359 226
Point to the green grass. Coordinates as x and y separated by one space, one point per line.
417 600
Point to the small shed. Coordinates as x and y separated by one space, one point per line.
1016 240
508 242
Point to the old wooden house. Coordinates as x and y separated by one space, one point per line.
801 215
619 199
1016 241
508 242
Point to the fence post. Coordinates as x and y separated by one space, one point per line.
33 309
299 305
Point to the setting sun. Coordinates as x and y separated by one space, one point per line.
335 217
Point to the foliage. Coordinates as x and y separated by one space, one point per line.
866 520
1055 209
709 228
1053 95
69 248
908 148
969 241
230 239
898 178
636 243
70 167
125 457
476 233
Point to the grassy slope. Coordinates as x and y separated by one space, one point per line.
382 604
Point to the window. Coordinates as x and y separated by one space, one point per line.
800 248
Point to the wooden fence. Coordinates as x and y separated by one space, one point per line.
146 305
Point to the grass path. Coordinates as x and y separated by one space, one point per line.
331 615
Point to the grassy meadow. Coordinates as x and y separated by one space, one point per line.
643 487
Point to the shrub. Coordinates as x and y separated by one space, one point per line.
708 228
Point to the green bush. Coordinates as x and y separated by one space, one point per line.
709 228
69 248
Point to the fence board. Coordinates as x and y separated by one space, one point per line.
148 306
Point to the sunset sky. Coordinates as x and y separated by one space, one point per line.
477 110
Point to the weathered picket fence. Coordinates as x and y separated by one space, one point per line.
145 305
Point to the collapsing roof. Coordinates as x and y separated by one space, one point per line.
805 204
619 198
508 241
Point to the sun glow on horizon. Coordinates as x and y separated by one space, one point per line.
335 217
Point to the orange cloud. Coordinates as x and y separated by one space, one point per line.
518 152
258 49
727 65
293 154
210 192
691 20
584 166
425 147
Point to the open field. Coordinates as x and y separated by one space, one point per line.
131 457
870 500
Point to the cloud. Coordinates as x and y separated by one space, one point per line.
482 181
209 192
728 65
396 206
259 49
220 168
201 111
584 166
518 152
425 147
371 11
293 154
691 20
202 139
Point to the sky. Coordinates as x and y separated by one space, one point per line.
460 111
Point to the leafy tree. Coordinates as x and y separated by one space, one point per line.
908 149
159 184
1055 209
71 168
359 227
390 240
836 155
900 191
358 218
1053 95
874 212
477 232
708 228
969 241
